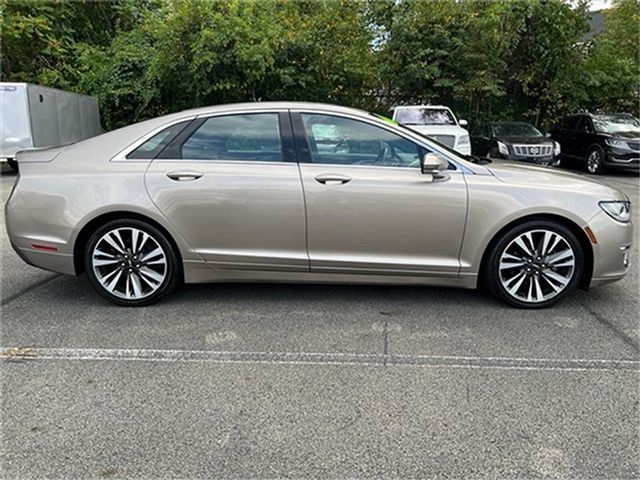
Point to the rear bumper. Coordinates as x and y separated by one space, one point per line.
53 261
23 235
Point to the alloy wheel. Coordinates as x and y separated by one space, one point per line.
536 266
594 162
129 263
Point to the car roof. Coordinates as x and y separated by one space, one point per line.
273 105
509 123
420 106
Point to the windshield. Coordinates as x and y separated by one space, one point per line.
424 116
616 123
516 130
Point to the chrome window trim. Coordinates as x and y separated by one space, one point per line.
122 155
226 162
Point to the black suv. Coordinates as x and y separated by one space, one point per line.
513 141
599 142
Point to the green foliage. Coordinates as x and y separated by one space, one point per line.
486 58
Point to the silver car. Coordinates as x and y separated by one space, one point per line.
302 192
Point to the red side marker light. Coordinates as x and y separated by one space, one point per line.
44 248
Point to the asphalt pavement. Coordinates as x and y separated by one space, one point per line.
272 381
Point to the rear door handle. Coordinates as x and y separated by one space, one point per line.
332 179
184 175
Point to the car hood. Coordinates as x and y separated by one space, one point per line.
631 135
530 175
525 140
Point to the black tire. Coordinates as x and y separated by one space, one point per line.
13 164
493 275
170 267
595 161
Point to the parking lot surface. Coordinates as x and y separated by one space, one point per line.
237 381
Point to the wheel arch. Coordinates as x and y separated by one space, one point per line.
580 234
83 236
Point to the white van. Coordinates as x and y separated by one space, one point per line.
437 122
32 116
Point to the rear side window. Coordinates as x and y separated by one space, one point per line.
152 147
250 137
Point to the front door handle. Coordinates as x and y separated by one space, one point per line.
184 175
332 179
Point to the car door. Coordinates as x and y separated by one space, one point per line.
230 185
584 136
566 135
370 210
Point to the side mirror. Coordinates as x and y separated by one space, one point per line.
434 165
463 123
548 134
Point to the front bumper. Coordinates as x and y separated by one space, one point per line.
611 253
463 149
623 159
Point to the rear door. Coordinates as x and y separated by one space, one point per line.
230 185
370 210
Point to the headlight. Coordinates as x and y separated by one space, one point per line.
612 142
463 140
556 148
502 148
618 210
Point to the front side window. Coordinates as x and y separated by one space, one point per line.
249 137
585 125
342 141
570 123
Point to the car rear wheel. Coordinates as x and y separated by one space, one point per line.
535 264
595 162
131 263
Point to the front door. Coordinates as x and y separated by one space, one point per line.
370 210
233 192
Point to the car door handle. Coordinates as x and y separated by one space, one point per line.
184 175
332 179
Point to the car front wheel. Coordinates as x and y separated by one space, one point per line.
535 264
595 162
131 263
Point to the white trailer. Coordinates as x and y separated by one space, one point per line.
32 116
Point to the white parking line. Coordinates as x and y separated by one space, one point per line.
315 358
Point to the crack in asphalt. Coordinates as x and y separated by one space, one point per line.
313 358
24 291
627 339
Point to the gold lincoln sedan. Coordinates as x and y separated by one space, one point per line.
303 192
